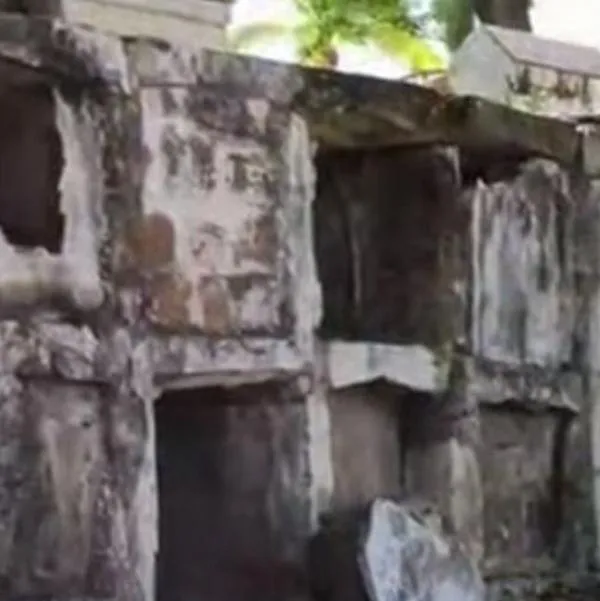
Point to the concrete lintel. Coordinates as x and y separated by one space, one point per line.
354 363
532 390
197 358
225 379
353 111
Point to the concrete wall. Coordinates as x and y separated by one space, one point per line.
132 303
188 262
199 23
505 247
366 445
557 94
519 465
533 286
523 282
481 67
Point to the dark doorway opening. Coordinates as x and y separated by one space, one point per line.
232 490
31 165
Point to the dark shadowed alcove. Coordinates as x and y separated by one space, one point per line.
31 164
233 504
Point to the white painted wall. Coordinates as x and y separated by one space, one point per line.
189 22
480 67
545 100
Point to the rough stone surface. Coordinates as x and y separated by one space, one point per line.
147 293
523 281
401 557
533 289
366 418
74 463
188 262
388 550
215 264
442 433
519 483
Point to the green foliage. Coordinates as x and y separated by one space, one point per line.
324 24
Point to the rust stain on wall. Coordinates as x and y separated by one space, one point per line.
210 160
169 294
151 242
218 315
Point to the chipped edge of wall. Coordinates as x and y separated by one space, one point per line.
33 276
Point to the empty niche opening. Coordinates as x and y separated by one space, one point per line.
32 7
230 482
380 217
366 444
490 165
31 164
522 473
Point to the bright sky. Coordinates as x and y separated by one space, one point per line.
578 22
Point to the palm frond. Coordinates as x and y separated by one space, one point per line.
408 47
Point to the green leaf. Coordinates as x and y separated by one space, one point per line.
401 44
260 32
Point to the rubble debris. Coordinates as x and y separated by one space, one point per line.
391 551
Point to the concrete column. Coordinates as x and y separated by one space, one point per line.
441 461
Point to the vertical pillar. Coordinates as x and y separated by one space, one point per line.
441 457
77 485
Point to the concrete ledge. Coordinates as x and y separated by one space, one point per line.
342 110
353 363
207 11
201 26
529 387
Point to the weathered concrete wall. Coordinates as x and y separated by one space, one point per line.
391 237
199 23
441 465
366 445
76 473
520 484
220 256
529 319
588 260
523 280
64 224
135 301
188 261
232 466
212 251
505 243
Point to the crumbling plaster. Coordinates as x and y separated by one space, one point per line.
30 277
113 368
151 329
